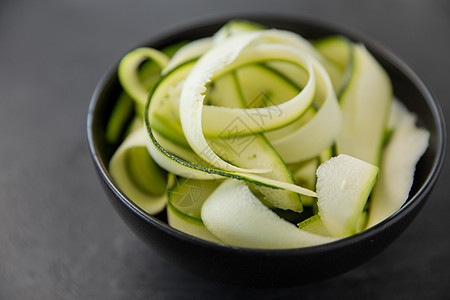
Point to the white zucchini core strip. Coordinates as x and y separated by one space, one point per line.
192 95
236 216
400 156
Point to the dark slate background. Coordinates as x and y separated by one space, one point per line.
59 236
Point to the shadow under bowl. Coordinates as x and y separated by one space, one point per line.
273 268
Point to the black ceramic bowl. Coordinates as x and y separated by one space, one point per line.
273 268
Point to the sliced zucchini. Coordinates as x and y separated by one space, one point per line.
305 175
365 106
184 168
121 114
228 112
314 225
217 119
400 156
234 215
343 187
184 205
188 52
128 73
253 151
135 173
338 50
309 140
234 27
264 88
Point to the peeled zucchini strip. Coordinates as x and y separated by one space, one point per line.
365 105
264 87
224 92
343 187
261 119
184 205
188 52
189 225
314 225
400 156
170 129
164 158
181 167
319 133
234 27
236 216
338 50
291 73
128 72
120 115
217 119
253 151
176 149
145 184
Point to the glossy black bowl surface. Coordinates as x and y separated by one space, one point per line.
273 268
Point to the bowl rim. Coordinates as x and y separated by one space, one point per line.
372 45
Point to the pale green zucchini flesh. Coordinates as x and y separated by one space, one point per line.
343 187
136 174
186 198
406 145
234 215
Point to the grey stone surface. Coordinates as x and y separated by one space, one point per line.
59 236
